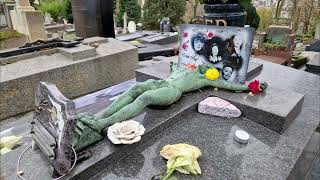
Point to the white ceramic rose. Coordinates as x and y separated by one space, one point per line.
126 132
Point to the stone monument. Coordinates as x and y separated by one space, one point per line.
26 20
317 33
165 25
125 23
132 27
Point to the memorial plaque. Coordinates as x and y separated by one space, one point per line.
226 48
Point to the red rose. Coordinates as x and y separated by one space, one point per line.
254 86
185 46
191 67
184 34
210 35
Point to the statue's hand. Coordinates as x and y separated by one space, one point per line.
173 66
89 120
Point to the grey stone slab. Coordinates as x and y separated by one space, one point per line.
160 38
314 65
96 39
275 109
21 57
148 51
314 46
79 52
161 70
115 62
132 36
222 157
158 59
308 161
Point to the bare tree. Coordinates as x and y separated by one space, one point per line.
194 4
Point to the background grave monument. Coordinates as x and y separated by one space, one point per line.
125 23
132 27
317 32
26 20
93 18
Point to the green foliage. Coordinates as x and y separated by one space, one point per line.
273 46
56 8
219 1
68 13
265 15
132 8
8 34
253 18
155 10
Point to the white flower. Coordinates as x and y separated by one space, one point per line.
126 132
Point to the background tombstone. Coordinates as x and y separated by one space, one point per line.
165 25
8 6
125 23
47 19
317 33
93 18
300 29
26 20
132 27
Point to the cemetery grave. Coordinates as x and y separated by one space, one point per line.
279 120
101 109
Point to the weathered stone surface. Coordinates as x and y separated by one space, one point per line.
218 107
115 62
314 46
79 52
13 42
96 39
161 38
29 22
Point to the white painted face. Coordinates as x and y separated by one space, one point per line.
198 45
237 41
215 50
227 72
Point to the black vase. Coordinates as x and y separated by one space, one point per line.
233 14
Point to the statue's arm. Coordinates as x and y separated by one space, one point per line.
223 84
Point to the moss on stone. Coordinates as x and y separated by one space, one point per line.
9 34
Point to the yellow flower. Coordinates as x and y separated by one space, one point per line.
212 74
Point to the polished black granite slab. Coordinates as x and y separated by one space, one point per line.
274 109
277 155
148 51
268 155
222 158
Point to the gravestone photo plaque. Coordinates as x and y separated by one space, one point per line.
226 48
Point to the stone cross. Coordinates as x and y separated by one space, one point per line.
125 23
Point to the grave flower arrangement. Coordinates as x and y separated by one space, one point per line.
181 158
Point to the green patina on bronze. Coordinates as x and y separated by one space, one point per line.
150 92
